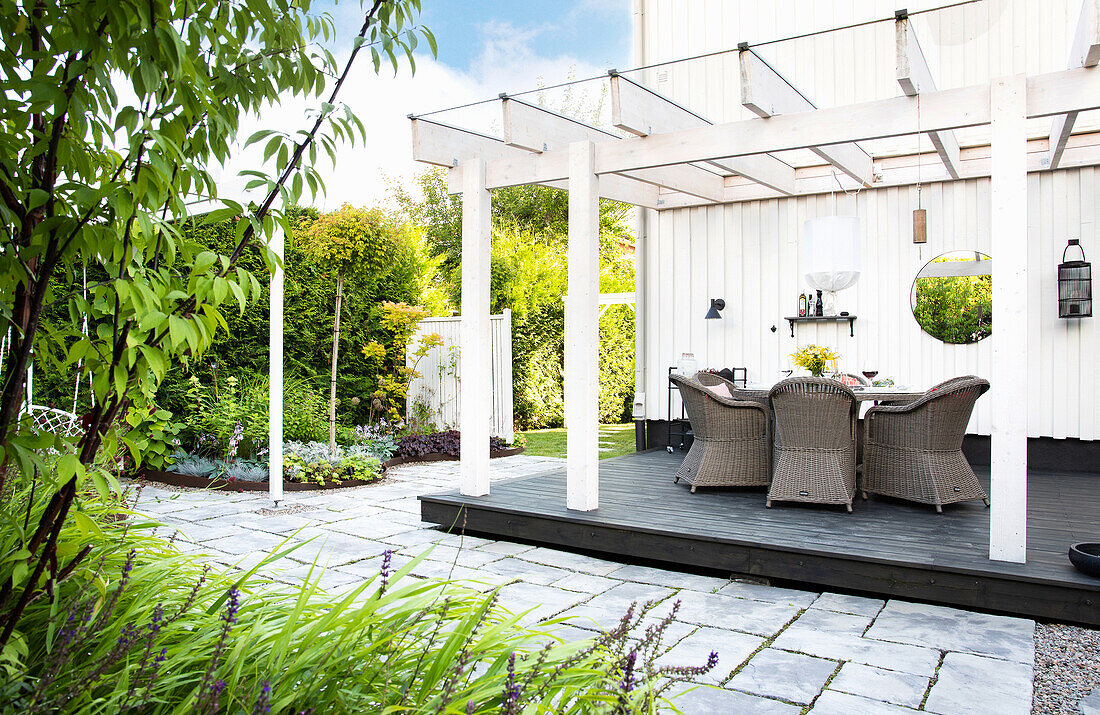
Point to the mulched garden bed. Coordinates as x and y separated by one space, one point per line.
444 457
184 480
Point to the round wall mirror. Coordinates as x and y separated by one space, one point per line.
952 297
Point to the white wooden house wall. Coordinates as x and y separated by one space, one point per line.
438 384
747 253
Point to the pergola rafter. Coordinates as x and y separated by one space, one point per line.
670 144
641 111
915 77
1084 52
443 145
538 129
767 93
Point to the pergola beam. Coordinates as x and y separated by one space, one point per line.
444 145
641 111
1082 150
1084 52
767 94
915 77
1047 95
537 129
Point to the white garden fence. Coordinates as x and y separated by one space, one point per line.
434 394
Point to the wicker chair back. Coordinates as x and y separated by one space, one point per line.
813 413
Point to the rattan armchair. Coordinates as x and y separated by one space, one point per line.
914 451
731 446
815 442
710 379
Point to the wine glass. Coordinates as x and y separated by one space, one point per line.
870 374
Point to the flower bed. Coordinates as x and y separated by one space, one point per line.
446 456
197 482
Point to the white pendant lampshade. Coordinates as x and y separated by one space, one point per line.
830 255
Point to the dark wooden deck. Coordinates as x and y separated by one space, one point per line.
886 547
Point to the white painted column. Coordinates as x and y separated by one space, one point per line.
475 366
1008 492
582 332
275 372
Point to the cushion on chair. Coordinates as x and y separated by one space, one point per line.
722 390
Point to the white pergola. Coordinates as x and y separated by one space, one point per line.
675 158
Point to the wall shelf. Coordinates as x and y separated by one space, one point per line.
823 319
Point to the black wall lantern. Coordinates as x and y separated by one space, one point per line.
1074 285
716 304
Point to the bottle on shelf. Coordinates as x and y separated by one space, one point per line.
819 308
802 303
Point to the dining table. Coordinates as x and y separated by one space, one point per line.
892 393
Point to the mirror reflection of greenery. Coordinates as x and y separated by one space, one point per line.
955 309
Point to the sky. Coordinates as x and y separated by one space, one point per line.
485 48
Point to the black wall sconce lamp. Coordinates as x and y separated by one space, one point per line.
716 305
1074 285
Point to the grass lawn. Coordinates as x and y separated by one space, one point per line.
615 441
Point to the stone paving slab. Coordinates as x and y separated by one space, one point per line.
732 649
542 601
585 583
662 577
506 548
956 630
527 571
707 699
831 635
739 614
831 702
842 603
770 594
888 685
971 685
793 677
1090 704
619 598
569 560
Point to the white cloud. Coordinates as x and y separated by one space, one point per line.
505 63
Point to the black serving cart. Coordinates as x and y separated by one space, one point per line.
680 427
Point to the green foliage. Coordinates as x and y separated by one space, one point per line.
228 418
955 309
350 240
303 412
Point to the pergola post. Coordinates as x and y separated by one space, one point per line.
582 331
275 372
1008 490
475 368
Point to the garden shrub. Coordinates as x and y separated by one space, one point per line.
315 462
303 412
446 442
229 417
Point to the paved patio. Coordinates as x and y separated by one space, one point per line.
780 650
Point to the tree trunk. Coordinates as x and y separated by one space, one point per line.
332 374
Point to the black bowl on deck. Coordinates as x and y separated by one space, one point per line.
1086 557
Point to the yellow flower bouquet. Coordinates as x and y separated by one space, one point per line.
814 358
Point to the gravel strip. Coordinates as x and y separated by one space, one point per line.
292 508
1067 667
